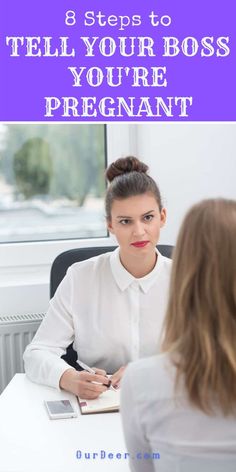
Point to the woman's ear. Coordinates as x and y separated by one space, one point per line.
163 217
109 226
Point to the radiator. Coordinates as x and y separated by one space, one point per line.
16 331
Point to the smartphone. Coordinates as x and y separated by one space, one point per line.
60 409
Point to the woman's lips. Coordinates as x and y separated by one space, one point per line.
140 243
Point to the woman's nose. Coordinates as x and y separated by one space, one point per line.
138 229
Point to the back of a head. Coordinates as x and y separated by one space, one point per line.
200 324
128 177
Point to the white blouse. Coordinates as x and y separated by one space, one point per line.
163 431
110 316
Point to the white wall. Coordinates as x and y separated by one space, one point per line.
190 161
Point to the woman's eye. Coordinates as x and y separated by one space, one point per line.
148 217
124 222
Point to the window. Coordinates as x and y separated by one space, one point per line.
52 181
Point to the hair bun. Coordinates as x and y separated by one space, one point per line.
125 165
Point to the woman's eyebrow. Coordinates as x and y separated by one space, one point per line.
147 213
130 217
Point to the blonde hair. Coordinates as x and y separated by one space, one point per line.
200 326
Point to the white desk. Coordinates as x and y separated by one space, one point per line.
31 442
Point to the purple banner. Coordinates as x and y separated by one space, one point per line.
92 60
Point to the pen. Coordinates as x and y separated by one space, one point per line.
92 371
86 367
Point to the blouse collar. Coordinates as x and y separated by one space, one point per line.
124 279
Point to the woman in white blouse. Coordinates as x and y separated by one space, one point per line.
179 408
111 306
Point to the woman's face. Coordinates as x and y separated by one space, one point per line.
136 223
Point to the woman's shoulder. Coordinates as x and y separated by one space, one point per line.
91 265
152 374
163 267
166 262
158 362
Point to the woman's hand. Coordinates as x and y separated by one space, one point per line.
84 384
117 376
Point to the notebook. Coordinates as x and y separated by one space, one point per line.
108 401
